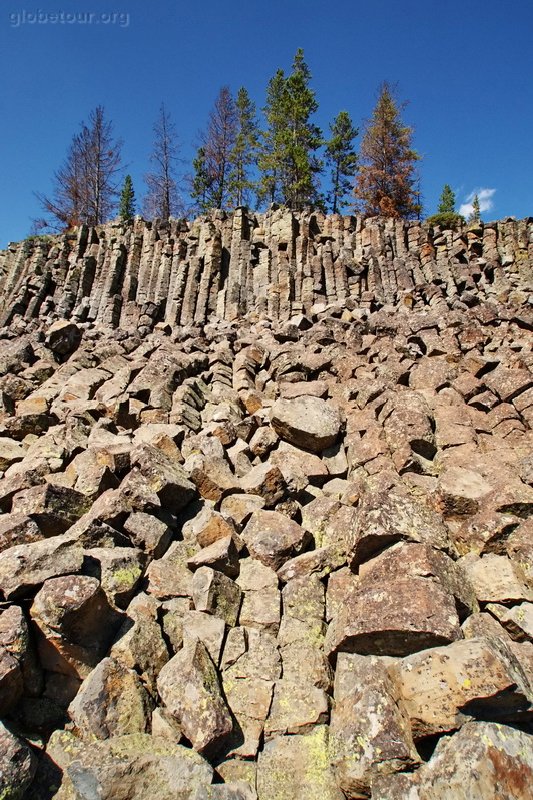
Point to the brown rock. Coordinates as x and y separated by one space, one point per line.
297 767
273 539
261 603
25 567
444 687
17 765
190 690
222 556
265 480
370 734
111 702
75 622
215 593
54 508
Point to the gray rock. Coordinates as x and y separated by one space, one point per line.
307 422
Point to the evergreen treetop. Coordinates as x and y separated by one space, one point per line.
341 155
127 200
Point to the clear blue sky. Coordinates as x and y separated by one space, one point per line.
465 67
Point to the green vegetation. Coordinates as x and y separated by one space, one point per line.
446 216
243 160
127 200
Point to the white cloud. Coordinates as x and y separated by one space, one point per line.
485 201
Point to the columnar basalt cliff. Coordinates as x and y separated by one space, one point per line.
275 265
265 511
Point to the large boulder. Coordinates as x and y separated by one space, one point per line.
307 422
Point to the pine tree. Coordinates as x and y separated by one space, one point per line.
447 200
127 200
201 182
162 199
446 216
211 185
342 158
244 153
85 186
270 161
386 182
475 214
288 162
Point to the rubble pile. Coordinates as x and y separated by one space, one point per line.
262 539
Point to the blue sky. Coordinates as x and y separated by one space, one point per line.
465 67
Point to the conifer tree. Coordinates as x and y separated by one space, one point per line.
447 200
288 162
127 200
270 161
85 186
162 199
244 153
342 158
386 182
201 182
475 214
446 216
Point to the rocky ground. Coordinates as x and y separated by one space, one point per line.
263 558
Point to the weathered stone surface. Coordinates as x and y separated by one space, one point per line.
75 624
165 477
11 684
169 576
25 567
307 422
17 765
483 761
517 621
297 768
261 602
370 733
54 508
294 463
497 579
386 517
215 593
120 569
273 539
63 337
133 463
265 480
148 533
444 687
190 690
130 767
10 452
406 600
111 702
222 555
139 643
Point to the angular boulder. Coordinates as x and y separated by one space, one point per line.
307 422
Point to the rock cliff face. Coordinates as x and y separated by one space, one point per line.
266 486
274 265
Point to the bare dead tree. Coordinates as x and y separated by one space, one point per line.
162 198
86 185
